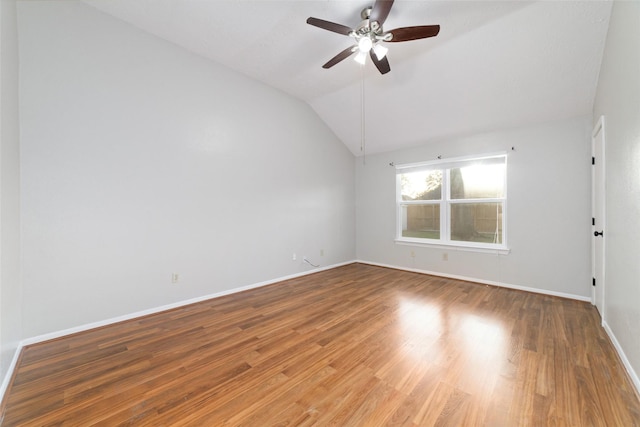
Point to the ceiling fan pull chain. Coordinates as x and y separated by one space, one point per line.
362 117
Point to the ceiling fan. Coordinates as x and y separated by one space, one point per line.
369 35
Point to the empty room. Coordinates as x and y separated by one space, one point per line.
310 213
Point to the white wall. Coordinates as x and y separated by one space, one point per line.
549 209
618 99
10 304
140 159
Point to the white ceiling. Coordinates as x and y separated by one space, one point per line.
494 65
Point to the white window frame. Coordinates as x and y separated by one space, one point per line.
445 204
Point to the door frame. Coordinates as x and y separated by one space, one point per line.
598 130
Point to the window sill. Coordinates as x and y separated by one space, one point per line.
498 249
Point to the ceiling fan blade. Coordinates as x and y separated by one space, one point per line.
381 64
414 33
339 57
380 11
330 26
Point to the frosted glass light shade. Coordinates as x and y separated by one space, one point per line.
365 44
380 51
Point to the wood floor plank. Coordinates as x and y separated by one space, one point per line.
352 346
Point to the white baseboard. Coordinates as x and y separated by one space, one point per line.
106 322
482 281
7 378
627 365
93 325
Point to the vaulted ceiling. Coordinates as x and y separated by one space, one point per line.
494 65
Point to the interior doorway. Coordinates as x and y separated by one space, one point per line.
598 214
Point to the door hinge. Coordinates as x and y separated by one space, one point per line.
594 281
593 160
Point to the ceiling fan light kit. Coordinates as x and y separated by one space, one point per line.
369 35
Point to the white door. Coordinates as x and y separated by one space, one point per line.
598 222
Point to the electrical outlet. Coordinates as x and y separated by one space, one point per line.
321 252
175 277
294 257
445 256
413 254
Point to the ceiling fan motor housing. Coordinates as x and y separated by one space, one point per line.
366 12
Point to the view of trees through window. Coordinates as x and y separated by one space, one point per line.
454 204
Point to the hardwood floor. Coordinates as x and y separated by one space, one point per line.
353 346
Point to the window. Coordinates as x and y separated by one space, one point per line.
458 202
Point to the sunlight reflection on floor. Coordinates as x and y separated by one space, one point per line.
424 327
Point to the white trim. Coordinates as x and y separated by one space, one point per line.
9 375
58 334
409 241
632 374
600 158
482 281
93 325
